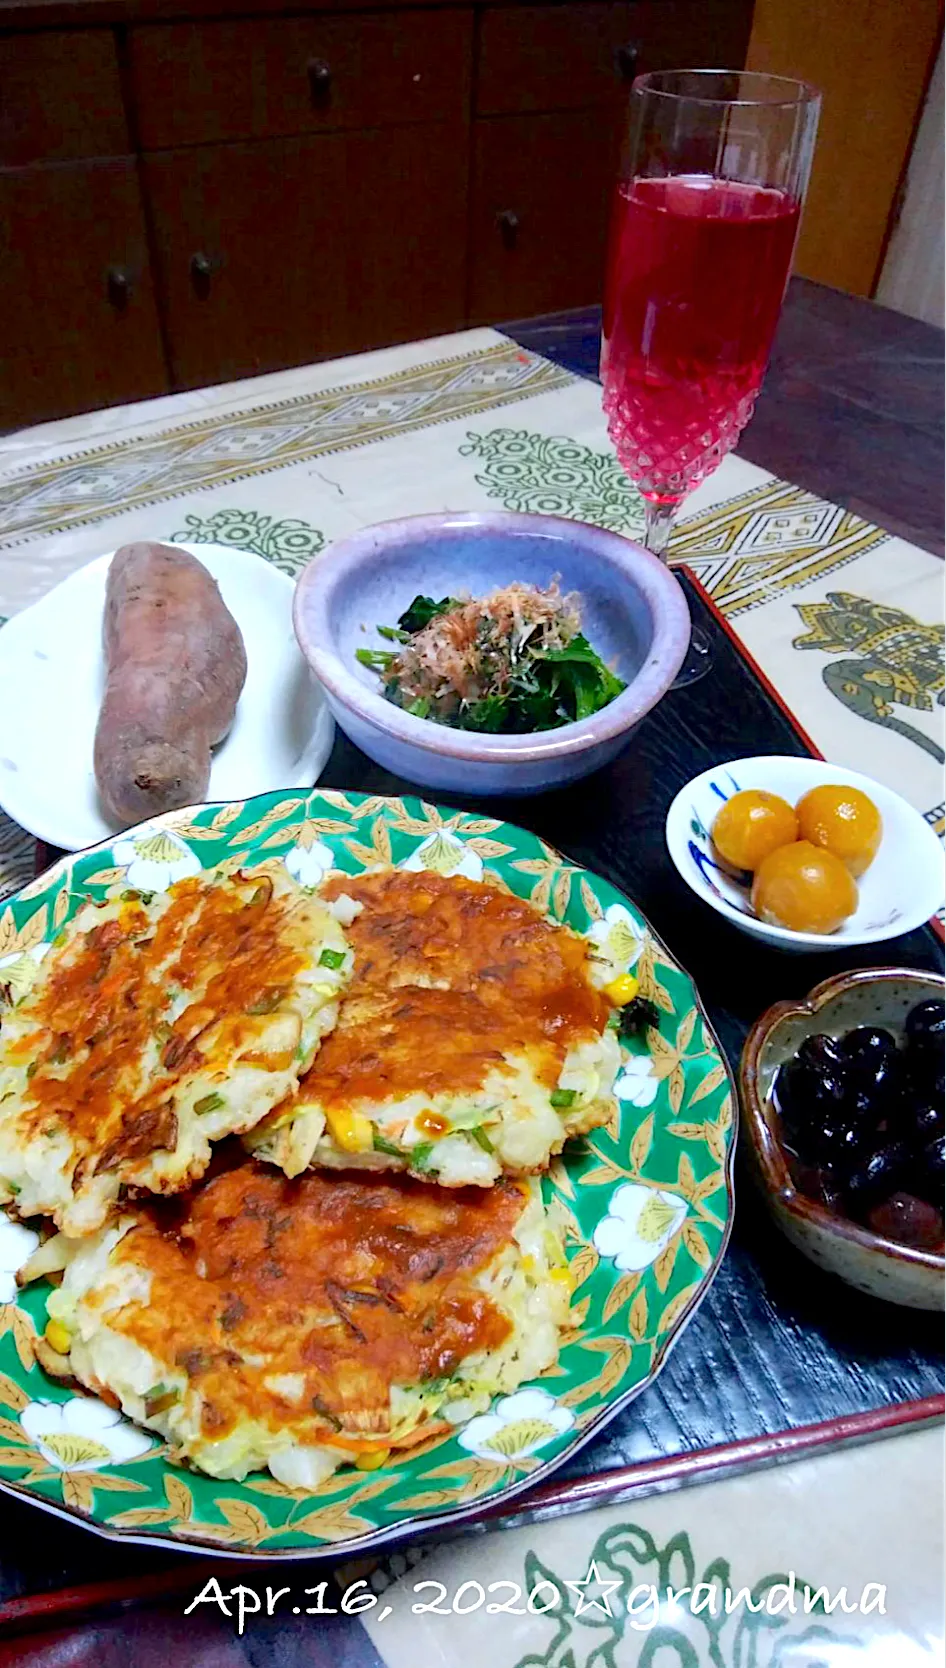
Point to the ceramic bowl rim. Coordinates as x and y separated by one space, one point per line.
760 1115
662 594
777 936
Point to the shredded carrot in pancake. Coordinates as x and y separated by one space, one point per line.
347 1287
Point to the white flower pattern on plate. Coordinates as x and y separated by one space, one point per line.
446 854
516 1426
16 1244
309 862
640 1223
617 936
636 1082
155 861
82 1434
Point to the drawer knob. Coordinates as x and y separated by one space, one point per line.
508 222
118 287
320 79
627 59
202 270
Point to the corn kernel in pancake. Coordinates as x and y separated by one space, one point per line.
304 1324
154 1026
473 1039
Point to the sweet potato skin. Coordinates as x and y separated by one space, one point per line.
176 667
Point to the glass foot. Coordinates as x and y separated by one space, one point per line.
699 659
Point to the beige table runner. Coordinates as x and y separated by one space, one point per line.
843 618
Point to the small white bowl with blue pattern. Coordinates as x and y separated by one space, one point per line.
902 889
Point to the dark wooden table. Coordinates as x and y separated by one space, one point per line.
785 1348
852 406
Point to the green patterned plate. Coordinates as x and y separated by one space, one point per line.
646 1205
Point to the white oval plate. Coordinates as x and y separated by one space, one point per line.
52 678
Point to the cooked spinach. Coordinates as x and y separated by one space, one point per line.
523 663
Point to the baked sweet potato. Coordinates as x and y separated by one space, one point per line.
176 667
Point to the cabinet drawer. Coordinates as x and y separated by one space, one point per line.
60 97
279 252
550 57
573 57
196 83
541 198
81 329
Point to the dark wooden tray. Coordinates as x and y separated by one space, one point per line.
780 1359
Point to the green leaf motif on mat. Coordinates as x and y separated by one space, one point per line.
288 544
552 475
625 1617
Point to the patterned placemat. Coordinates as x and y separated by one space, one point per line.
843 618
780 1569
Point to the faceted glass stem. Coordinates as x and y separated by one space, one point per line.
658 522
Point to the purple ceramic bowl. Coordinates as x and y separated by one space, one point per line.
633 612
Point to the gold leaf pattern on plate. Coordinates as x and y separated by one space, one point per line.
276 813
619 1294
685 1031
14 938
561 894
676 1306
696 1244
663 1267
179 1496
77 1491
249 1522
287 836
13 1394
637 1316
641 1142
686 1180
583 1264
143 1517
714 1079
113 1482
24 1337
15 1456
592 907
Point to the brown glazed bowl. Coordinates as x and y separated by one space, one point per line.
869 996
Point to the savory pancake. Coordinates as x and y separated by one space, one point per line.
302 1325
473 1040
156 1024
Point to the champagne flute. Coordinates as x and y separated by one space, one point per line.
703 229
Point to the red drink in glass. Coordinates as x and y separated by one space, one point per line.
697 271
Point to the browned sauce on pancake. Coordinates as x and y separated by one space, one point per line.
104 1004
450 975
356 1285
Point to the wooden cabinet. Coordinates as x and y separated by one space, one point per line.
267 78
550 103
252 185
60 97
78 320
79 323
283 251
541 194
